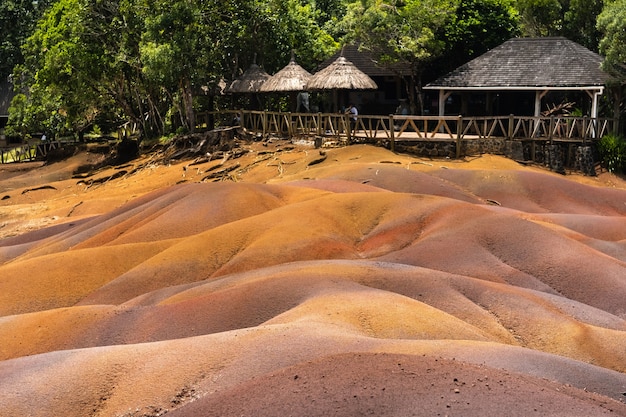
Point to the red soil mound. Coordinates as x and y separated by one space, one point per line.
367 283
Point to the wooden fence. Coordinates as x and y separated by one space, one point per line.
27 152
385 130
395 128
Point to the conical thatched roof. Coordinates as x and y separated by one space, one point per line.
250 81
341 75
291 78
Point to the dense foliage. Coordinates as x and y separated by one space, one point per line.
612 149
17 20
612 23
78 64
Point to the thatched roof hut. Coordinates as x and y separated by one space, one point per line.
341 75
291 78
250 81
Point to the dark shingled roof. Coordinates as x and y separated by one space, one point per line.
523 63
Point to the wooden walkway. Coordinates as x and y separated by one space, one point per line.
381 130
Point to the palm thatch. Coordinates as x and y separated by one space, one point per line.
291 78
250 81
341 75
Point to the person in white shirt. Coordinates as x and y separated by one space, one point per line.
354 113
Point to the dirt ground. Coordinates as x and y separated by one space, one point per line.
282 279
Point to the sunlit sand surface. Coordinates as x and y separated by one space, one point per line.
357 282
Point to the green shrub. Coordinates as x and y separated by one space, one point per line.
612 149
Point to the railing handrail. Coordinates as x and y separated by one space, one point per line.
411 127
29 152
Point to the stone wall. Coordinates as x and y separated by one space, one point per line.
556 156
433 149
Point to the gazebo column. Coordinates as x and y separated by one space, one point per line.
539 94
594 95
443 96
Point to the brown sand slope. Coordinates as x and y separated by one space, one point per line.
368 283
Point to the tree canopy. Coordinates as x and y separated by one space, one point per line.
81 63
17 20
415 33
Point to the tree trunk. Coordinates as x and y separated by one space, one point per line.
190 117
410 92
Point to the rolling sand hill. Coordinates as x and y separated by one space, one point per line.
294 282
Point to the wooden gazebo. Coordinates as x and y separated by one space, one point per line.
537 65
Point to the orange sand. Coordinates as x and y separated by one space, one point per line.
369 283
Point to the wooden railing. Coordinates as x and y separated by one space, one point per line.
406 128
19 153
379 129
28 153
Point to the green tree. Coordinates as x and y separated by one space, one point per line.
272 29
329 15
476 27
401 32
17 20
540 17
573 19
297 30
579 22
188 44
64 64
172 52
83 58
612 24
144 60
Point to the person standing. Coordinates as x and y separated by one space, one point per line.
354 113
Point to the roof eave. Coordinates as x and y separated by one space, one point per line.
516 88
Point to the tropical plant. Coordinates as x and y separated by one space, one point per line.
612 150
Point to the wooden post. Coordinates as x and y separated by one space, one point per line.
551 128
459 136
511 127
392 135
319 124
346 121
290 129
585 122
264 122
